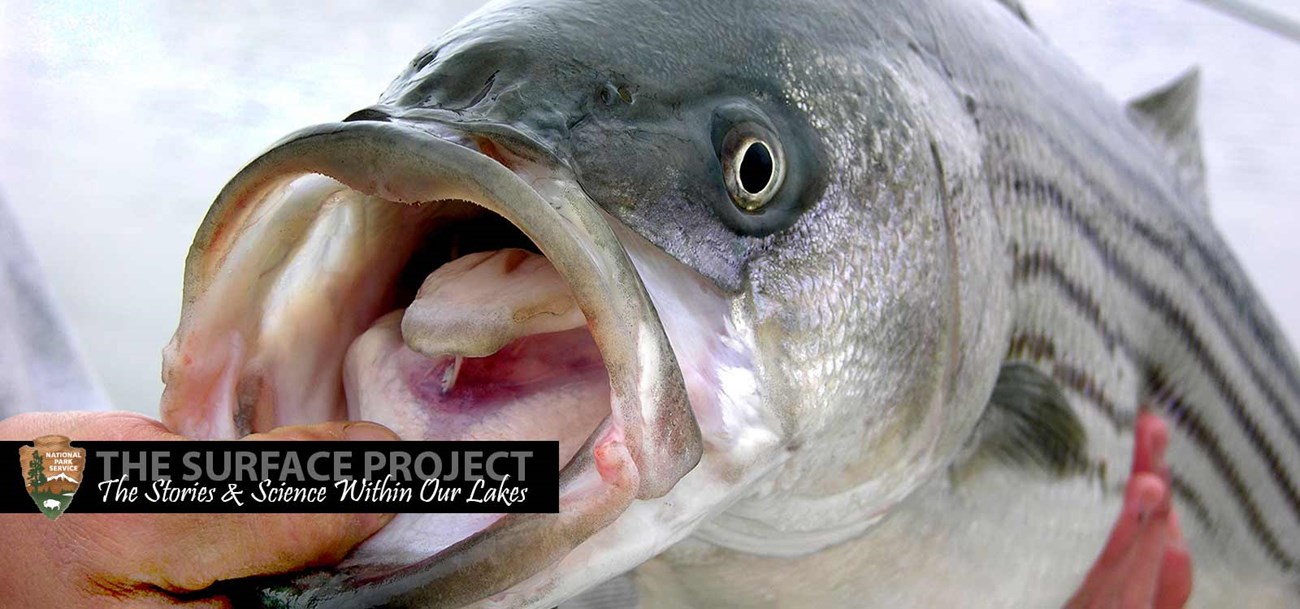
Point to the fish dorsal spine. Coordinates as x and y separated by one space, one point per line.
1168 116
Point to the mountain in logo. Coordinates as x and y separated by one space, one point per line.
59 484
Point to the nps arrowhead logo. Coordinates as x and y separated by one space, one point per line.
52 472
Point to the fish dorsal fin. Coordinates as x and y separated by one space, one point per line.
1168 115
1028 423
1018 9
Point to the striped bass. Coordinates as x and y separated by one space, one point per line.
827 303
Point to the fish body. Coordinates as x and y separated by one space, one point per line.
878 288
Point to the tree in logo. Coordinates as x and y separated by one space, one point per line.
51 492
36 471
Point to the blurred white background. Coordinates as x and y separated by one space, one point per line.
120 121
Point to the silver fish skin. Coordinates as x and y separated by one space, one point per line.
904 375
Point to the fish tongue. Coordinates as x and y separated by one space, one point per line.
476 304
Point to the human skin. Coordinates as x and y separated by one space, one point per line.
162 560
1145 562
168 560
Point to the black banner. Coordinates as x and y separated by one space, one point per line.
282 477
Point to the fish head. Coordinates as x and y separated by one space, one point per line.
721 265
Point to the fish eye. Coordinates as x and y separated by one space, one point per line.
755 171
752 166
770 164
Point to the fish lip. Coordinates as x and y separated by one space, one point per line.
653 438
406 164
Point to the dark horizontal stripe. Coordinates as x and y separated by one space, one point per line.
1169 249
1266 336
1183 327
1068 152
1039 348
1186 418
1041 263
1191 498
1033 264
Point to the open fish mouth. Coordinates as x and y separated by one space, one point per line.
452 286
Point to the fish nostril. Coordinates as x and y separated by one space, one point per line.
368 114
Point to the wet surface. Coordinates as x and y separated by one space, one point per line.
120 121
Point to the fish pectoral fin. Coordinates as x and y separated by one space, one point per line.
1168 116
1028 423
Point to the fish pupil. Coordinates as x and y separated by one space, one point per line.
755 168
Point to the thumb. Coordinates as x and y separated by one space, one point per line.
337 430
189 552
205 548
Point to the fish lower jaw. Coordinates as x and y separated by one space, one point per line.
376 272
490 346
312 358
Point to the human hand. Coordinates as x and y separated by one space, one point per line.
162 560
1145 564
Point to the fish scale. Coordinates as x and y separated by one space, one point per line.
905 372
1160 285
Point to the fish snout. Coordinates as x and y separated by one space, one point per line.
309 293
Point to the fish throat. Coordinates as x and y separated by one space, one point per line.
425 286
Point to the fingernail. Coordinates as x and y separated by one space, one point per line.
365 430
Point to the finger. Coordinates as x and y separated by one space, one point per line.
184 552
1107 581
82 425
1142 564
1142 496
146 597
344 430
1150 437
1175 586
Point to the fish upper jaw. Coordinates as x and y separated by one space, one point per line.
294 269
297 260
